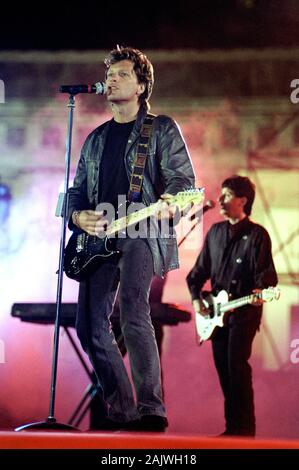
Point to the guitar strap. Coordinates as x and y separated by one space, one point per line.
134 194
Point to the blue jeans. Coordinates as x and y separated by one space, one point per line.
132 272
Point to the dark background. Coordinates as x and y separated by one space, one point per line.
165 24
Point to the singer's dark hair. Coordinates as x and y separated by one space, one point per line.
242 187
142 67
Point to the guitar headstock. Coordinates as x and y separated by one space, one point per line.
271 293
183 199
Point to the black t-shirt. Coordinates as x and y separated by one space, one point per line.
113 176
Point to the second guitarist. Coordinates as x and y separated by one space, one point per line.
237 258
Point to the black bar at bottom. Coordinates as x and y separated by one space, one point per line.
152 458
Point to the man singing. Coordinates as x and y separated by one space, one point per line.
104 173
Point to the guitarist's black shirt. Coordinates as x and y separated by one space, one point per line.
113 176
236 258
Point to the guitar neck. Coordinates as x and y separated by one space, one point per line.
131 219
232 304
183 200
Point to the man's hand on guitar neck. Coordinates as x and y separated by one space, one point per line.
257 299
165 210
92 222
199 307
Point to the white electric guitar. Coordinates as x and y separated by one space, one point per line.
218 306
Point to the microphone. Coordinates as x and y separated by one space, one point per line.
210 204
98 88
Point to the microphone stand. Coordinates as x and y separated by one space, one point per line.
61 211
192 228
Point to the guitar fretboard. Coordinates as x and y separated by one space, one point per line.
131 219
247 299
182 200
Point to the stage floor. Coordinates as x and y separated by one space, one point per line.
130 440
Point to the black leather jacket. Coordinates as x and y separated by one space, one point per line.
168 170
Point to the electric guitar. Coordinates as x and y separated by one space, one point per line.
220 305
84 252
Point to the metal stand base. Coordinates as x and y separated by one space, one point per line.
49 425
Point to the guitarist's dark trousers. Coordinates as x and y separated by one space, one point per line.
133 271
232 346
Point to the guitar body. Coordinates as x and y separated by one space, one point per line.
205 325
84 253
217 307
